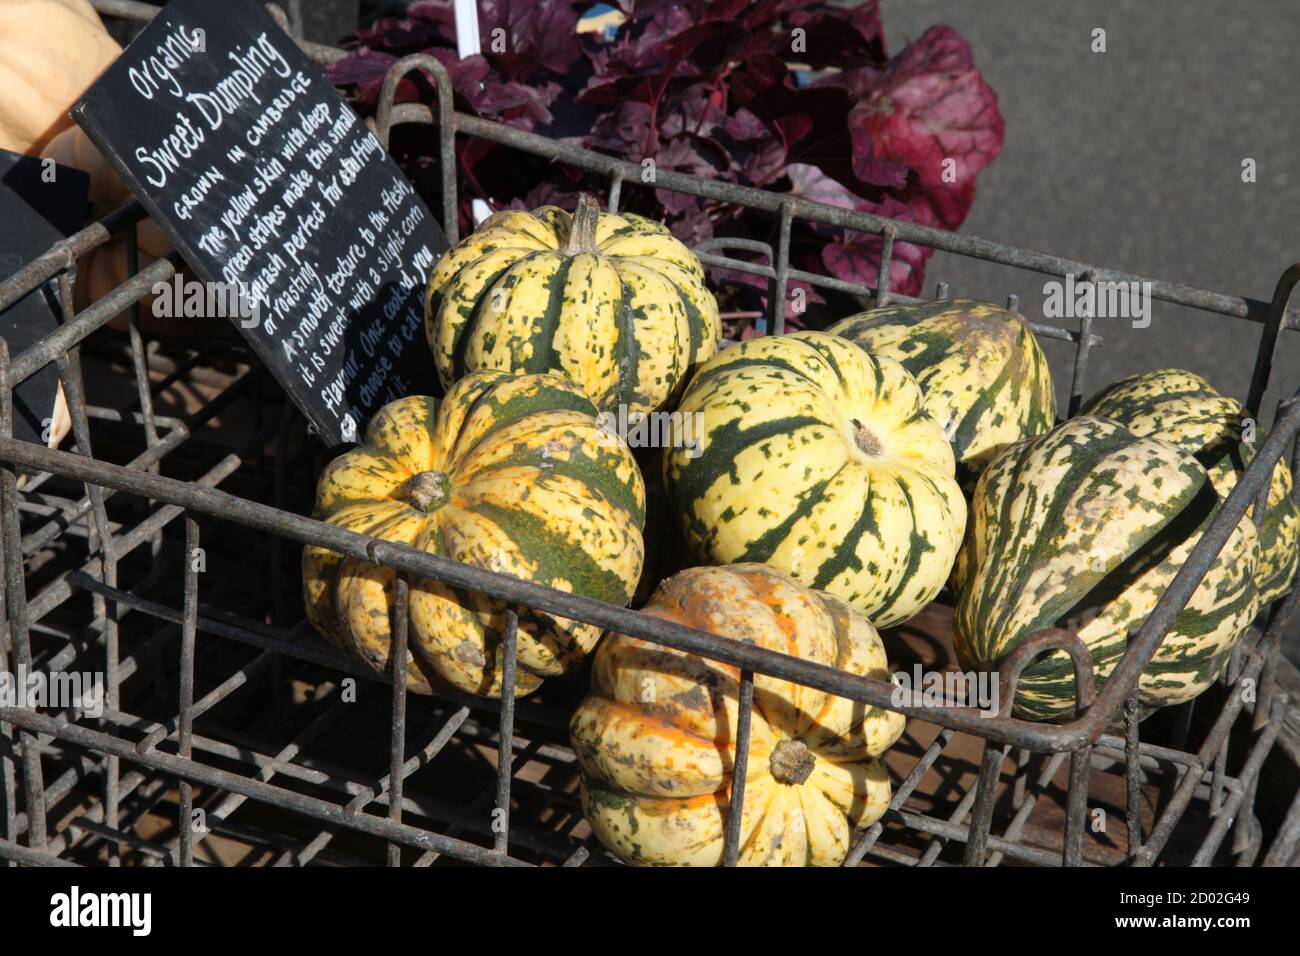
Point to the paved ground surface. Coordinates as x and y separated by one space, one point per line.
1132 159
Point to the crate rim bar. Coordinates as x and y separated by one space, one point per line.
1028 735
238 630
214 502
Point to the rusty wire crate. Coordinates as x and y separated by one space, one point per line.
256 725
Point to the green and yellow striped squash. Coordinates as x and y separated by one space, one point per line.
612 301
656 736
508 473
1084 528
1184 409
985 378
819 459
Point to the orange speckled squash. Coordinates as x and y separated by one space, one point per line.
655 737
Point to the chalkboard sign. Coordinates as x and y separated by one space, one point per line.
303 230
40 203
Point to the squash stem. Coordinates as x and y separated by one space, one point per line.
867 442
582 231
426 491
791 762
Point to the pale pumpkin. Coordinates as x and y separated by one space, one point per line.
50 51
612 301
821 460
656 736
106 267
73 148
509 473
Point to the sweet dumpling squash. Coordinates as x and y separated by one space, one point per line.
986 380
1084 528
655 738
821 460
509 473
1185 410
611 300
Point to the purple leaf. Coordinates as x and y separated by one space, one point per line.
624 130
694 225
810 122
697 109
855 257
755 149
400 36
697 155
809 182
848 39
523 36
363 68
546 194
931 111
712 88
643 72
439 13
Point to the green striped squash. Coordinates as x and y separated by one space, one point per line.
1184 409
819 459
612 301
1084 528
508 473
985 378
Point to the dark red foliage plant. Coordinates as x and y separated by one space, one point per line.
793 96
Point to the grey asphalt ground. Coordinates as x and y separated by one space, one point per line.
1132 158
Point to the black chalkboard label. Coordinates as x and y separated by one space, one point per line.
40 203
275 193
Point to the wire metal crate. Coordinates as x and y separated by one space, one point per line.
254 727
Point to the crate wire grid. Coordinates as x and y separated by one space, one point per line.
125 796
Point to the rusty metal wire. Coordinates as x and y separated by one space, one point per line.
145 759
